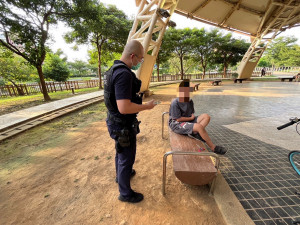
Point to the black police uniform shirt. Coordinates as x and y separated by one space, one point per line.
122 81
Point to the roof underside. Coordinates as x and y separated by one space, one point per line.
250 17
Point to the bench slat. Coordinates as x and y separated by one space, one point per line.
193 170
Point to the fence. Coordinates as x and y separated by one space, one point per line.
211 75
208 75
276 70
34 88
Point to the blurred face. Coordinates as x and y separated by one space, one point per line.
184 94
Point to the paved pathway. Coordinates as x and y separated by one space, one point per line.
20 116
10 119
244 118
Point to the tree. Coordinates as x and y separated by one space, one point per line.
78 68
106 28
175 65
25 27
107 58
179 41
283 51
264 62
204 47
292 57
230 51
14 68
56 68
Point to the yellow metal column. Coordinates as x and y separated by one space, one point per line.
152 18
283 13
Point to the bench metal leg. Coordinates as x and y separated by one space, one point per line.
165 171
212 187
163 125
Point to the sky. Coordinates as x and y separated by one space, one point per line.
129 7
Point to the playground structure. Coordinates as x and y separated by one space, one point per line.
261 20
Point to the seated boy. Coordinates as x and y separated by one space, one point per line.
183 121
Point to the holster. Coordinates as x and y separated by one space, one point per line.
136 126
123 139
127 132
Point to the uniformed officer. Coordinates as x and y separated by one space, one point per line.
123 101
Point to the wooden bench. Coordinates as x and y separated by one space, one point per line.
215 82
196 86
192 163
283 78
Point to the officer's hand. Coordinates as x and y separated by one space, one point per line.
150 104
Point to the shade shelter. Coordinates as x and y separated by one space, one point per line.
261 20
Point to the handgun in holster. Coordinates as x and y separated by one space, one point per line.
123 139
135 126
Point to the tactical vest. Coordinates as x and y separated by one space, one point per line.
110 97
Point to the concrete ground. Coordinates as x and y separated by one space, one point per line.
244 118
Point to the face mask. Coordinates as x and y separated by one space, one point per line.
136 67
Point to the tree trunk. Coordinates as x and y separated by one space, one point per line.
20 90
203 67
181 67
204 71
99 65
43 84
225 71
157 68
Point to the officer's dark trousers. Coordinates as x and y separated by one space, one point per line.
124 162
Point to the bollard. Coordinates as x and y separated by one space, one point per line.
72 88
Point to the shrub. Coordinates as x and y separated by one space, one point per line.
234 75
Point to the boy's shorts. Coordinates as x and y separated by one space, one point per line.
182 127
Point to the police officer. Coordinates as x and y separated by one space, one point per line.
122 99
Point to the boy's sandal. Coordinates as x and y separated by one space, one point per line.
220 150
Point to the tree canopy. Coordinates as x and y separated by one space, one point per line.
179 42
105 28
14 68
25 26
205 45
56 68
229 51
283 51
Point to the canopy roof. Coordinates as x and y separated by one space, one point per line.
250 17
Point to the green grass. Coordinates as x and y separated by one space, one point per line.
18 150
12 104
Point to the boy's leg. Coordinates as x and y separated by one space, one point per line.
198 127
203 119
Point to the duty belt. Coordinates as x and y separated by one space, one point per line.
117 120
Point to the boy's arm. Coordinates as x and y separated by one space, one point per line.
186 119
